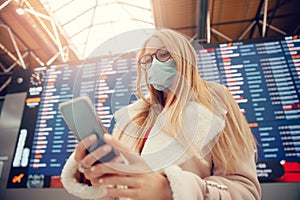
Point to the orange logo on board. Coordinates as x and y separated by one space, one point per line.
18 179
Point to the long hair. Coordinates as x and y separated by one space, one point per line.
188 86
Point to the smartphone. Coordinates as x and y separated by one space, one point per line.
82 119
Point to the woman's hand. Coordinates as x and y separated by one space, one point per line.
140 181
138 186
86 161
127 170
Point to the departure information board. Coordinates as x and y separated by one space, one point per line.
263 77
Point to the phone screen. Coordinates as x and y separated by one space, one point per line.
81 117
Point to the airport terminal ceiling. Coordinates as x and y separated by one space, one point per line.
32 32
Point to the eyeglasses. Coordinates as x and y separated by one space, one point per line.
161 55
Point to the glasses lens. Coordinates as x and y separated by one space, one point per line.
163 55
145 61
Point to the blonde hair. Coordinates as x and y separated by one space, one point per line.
188 86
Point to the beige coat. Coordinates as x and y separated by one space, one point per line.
189 177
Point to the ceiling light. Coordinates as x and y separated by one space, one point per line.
20 11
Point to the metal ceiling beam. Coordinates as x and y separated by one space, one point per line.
6 83
10 54
265 25
17 61
53 58
12 38
89 30
18 40
272 15
256 18
221 34
202 19
183 28
265 15
62 6
39 16
208 28
55 35
88 26
251 20
247 30
139 20
7 70
2 66
41 63
132 5
62 31
78 15
5 4
125 5
296 31
274 28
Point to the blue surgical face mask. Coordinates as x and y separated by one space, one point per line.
161 75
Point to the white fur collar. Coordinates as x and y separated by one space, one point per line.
199 125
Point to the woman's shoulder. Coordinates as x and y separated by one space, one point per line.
130 109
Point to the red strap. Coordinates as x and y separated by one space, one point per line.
146 137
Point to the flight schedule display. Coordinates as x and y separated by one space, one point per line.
263 77
45 141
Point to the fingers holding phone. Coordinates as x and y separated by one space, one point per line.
88 159
80 151
91 158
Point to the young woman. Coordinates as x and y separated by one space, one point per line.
185 139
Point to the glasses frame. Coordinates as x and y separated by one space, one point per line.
142 65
